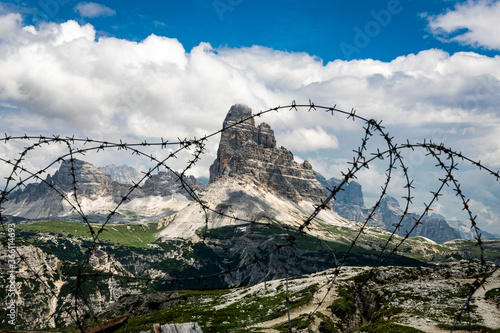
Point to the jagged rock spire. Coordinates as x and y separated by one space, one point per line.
251 152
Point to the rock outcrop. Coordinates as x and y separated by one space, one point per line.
44 199
433 227
122 173
93 185
465 230
167 183
40 307
349 204
251 152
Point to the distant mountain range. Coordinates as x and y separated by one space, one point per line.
248 162
350 205
98 193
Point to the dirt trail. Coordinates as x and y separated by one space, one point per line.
486 308
327 297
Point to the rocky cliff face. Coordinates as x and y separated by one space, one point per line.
45 283
465 230
94 188
432 227
122 173
349 204
167 183
352 193
251 152
40 200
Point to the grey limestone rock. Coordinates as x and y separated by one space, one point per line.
45 199
433 227
122 173
250 151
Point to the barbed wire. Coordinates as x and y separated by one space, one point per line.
446 159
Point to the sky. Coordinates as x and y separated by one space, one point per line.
125 70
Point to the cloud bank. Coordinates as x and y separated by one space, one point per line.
472 23
62 75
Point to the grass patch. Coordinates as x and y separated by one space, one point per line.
344 305
327 324
301 321
134 235
492 293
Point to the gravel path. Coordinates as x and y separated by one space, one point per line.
486 308
321 295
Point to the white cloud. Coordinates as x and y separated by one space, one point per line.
61 74
472 23
61 71
489 217
92 9
307 139
9 24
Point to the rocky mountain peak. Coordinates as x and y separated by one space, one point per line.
95 190
238 112
121 173
239 133
390 203
264 136
251 152
90 179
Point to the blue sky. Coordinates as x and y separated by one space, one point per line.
124 70
325 29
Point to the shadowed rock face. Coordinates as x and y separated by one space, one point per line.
435 228
250 151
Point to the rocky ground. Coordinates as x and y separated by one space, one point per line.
392 299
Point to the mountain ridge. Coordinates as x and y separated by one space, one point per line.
349 204
247 154
96 192
122 173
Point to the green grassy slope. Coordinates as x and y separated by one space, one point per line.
136 235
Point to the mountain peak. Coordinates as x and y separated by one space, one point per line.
250 152
238 112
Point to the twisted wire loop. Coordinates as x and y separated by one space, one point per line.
447 161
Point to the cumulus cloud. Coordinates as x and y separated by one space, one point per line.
92 9
471 23
9 24
487 214
307 139
62 72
